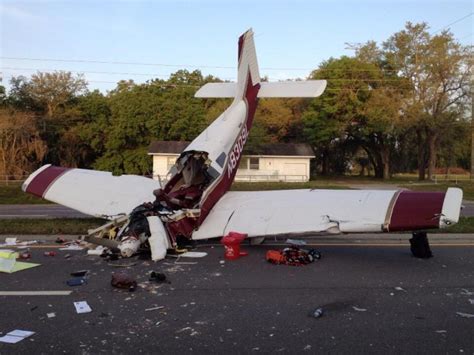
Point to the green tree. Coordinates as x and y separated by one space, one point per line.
437 71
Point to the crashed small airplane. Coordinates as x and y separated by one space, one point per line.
196 203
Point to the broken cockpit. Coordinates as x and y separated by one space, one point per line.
179 200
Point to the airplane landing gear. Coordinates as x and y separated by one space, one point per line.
419 245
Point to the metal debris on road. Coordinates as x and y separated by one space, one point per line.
465 315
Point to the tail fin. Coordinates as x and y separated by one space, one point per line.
247 64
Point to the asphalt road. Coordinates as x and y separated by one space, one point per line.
375 299
57 211
39 211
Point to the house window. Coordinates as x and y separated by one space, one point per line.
244 163
254 163
170 162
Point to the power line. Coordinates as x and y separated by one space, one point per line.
454 22
165 76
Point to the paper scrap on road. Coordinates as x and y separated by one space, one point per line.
35 293
82 307
15 336
51 315
359 309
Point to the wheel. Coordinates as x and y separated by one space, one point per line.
419 245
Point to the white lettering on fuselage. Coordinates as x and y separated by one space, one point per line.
237 151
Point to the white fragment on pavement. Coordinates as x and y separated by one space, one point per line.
466 292
471 300
307 347
441 331
465 315
15 336
72 247
154 308
51 315
398 288
193 254
359 309
82 307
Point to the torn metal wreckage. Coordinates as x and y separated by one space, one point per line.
160 224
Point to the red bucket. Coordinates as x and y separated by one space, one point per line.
232 245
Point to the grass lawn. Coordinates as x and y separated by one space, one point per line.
467 187
465 225
49 226
13 195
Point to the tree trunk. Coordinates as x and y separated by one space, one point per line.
421 155
325 164
431 140
385 155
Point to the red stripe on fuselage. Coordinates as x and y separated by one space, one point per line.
223 185
41 182
416 210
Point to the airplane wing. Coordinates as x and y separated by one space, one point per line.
296 212
97 193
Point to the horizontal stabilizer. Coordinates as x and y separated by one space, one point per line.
308 88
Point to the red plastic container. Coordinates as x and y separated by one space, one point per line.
232 245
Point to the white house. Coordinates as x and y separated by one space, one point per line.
268 162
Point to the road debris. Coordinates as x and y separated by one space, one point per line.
51 315
465 315
231 244
154 308
9 264
124 281
318 312
82 307
158 277
80 273
76 281
193 254
16 336
293 256
357 309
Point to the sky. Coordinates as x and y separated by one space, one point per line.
141 40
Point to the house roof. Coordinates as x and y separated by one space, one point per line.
269 149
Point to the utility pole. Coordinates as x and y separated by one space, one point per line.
472 125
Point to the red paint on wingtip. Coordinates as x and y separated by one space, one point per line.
415 210
41 182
